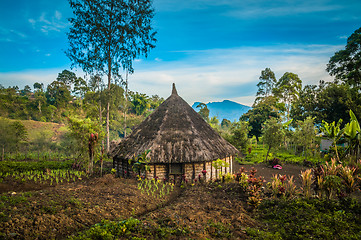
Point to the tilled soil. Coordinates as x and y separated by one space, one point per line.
56 212
209 211
63 210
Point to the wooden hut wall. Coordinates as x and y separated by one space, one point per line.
191 170
158 170
213 173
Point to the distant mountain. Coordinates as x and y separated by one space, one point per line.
227 109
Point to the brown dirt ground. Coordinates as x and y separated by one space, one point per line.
268 172
60 211
55 212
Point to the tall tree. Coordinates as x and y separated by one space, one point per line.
67 77
203 111
261 111
38 86
140 102
58 94
345 65
328 101
106 36
272 134
267 80
305 134
287 89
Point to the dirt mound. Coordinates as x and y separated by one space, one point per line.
62 210
208 211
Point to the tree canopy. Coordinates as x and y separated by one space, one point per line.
106 36
266 83
345 65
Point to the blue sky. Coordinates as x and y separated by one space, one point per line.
212 50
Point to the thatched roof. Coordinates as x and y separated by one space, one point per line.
174 133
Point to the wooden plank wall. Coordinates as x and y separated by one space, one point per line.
191 170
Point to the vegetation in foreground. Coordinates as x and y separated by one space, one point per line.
303 218
240 206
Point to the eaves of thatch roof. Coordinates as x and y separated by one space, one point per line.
174 133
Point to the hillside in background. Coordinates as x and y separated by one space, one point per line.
36 129
225 110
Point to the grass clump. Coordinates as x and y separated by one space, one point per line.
130 228
309 219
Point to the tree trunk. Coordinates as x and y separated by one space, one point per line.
269 148
108 99
39 107
126 104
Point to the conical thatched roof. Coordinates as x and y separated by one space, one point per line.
174 133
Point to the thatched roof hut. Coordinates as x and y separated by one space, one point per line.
175 134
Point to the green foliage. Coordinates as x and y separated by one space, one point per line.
219 163
345 64
258 155
352 132
239 135
154 187
12 135
87 135
19 167
139 103
272 134
219 230
226 124
130 228
309 219
58 94
140 164
155 101
267 80
334 132
287 89
261 111
203 111
305 134
96 39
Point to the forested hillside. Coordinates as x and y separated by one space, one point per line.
36 118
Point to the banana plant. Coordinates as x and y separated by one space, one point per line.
334 132
353 133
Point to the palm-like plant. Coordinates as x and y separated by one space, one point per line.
353 133
334 132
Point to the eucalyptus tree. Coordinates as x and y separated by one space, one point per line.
203 111
267 81
106 36
272 134
261 111
287 89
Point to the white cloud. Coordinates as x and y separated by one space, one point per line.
27 78
218 74
211 75
11 35
46 23
20 79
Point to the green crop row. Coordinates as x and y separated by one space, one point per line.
16 167
45 177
